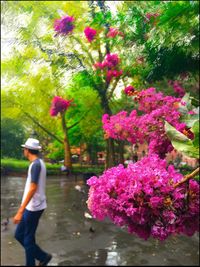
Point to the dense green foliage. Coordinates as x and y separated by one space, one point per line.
12 136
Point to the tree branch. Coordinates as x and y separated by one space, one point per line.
103 8
85 49
113 88
187 177
42 127
69 127
68 55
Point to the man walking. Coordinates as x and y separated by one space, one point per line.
32 206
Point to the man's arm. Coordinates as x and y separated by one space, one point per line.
31 192
35 174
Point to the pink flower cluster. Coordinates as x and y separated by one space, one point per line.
148 127
149 16
177 87
142 198
90 33
64 25
113 73
110 61
114 32
59 105
129 90
110 65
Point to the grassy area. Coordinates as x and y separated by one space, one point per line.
21 166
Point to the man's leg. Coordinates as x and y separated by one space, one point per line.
19 232
32 250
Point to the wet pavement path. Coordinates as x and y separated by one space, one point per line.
67 231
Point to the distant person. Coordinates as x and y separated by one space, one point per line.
64 169
135 157
143 153
127 161
32 206
178 160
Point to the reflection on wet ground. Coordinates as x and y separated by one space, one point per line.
67 231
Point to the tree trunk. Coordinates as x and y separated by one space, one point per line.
92 154
110 146
121 151
110 153
67 159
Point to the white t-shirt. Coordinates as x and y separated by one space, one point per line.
36 174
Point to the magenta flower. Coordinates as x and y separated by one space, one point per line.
100 65
177 87
59 105
129 90
114 32
112 60
156 202
149 16
110 65
90 33
113 73
64 25
191 112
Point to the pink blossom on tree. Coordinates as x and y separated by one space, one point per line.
129 90
100 65
114 32
149 16
112 60
177 88
110 65
113 73
64 25
90 34
59 105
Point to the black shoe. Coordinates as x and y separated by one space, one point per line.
46 261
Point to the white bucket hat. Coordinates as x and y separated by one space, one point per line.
32 143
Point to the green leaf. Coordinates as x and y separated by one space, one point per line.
173 134
186 148
195 130
180 142
184 109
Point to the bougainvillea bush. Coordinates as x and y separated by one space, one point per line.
143 198
149 198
